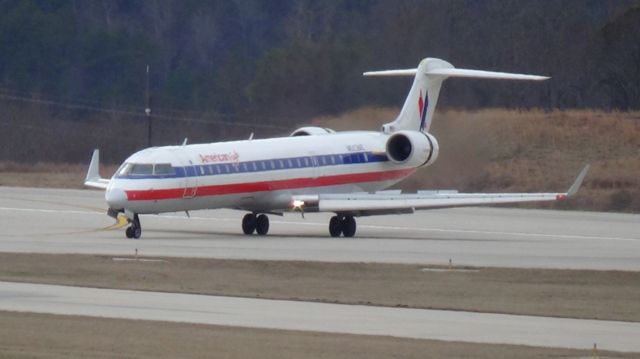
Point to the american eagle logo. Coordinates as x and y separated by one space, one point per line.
423 104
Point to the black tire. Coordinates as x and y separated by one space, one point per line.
335 226
137 232
262 224
349 226
249 223
129 232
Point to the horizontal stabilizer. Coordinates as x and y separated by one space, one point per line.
453 72
406 72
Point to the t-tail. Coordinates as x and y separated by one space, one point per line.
419 107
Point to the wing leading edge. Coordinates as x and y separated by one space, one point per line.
365 204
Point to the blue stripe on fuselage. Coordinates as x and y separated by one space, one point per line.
269 165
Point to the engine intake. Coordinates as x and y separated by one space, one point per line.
311 131
412 148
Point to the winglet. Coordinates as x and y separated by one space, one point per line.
578 182
93 178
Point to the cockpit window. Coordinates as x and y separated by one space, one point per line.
141 170
163 169
146 169
124 169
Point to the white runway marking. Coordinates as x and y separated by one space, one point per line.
320 317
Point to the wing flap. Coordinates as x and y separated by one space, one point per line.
389 202
408 201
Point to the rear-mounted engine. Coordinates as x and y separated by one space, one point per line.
311 131
412 148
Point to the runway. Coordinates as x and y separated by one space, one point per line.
321 317
73 221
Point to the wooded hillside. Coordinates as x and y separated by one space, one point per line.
77 68
306 57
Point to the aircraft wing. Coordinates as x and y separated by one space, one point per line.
93 178
394 202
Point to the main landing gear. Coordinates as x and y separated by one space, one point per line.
134 230
345 225
255 223
259 223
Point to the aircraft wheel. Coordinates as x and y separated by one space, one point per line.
262 224
249 223
136 228
129 232
335 226
348 226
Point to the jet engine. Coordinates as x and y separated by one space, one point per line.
311 131
413 148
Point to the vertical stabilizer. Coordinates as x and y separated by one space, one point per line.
419 107
417 111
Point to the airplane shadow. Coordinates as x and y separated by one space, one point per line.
213 235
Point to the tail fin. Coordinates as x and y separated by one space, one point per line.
418 109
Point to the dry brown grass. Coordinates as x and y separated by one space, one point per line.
40 174
28 335
533 150
566 293
486 150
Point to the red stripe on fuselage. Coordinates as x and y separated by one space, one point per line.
251 187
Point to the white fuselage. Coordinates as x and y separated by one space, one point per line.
254 175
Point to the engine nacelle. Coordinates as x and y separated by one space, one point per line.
311 131
412 148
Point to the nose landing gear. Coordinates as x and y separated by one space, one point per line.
135 230
252 223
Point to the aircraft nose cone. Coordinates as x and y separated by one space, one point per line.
116 198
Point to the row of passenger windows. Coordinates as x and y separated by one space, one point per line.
133 169
281 164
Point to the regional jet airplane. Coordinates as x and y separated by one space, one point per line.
312 170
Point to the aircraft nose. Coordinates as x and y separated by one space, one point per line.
116 198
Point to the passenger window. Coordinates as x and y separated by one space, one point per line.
273 165
255 168
298 162
306 162
323 161
333 159
290 163
281 164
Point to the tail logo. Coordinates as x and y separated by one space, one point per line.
423 104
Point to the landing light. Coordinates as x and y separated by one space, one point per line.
297 204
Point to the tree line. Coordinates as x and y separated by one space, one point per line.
284 61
